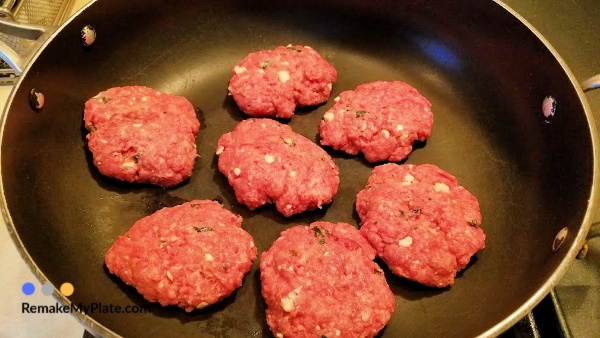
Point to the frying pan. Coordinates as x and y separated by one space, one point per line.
485 70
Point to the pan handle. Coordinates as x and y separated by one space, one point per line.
591 83
587 85
37 33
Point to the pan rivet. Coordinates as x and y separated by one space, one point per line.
36 99
583 252
549 108
88 35
559 239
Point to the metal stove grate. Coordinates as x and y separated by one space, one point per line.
37 12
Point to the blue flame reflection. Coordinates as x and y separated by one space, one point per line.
440 53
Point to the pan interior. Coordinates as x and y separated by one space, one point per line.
484 72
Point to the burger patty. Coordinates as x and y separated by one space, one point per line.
266 161
423 224
191 255
138 134
320 281
380 119
271 83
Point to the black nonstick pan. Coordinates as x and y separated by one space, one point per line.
486 72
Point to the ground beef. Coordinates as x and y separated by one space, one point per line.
380 119
271 83
422 223
266 161
138 134
191 255
320 281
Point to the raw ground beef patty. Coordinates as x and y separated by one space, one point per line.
320 281
271 83
380 119
266 161
138 134
191 255
422 223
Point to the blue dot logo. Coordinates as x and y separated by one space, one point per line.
28 289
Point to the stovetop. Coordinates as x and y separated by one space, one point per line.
573 28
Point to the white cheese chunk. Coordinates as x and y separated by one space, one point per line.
284 76
405 242
287 304
441 187
269 158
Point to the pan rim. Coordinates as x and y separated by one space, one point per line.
96 328
593 202
88 323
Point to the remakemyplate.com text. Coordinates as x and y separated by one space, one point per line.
81 308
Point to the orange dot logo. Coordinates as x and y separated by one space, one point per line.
67 289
